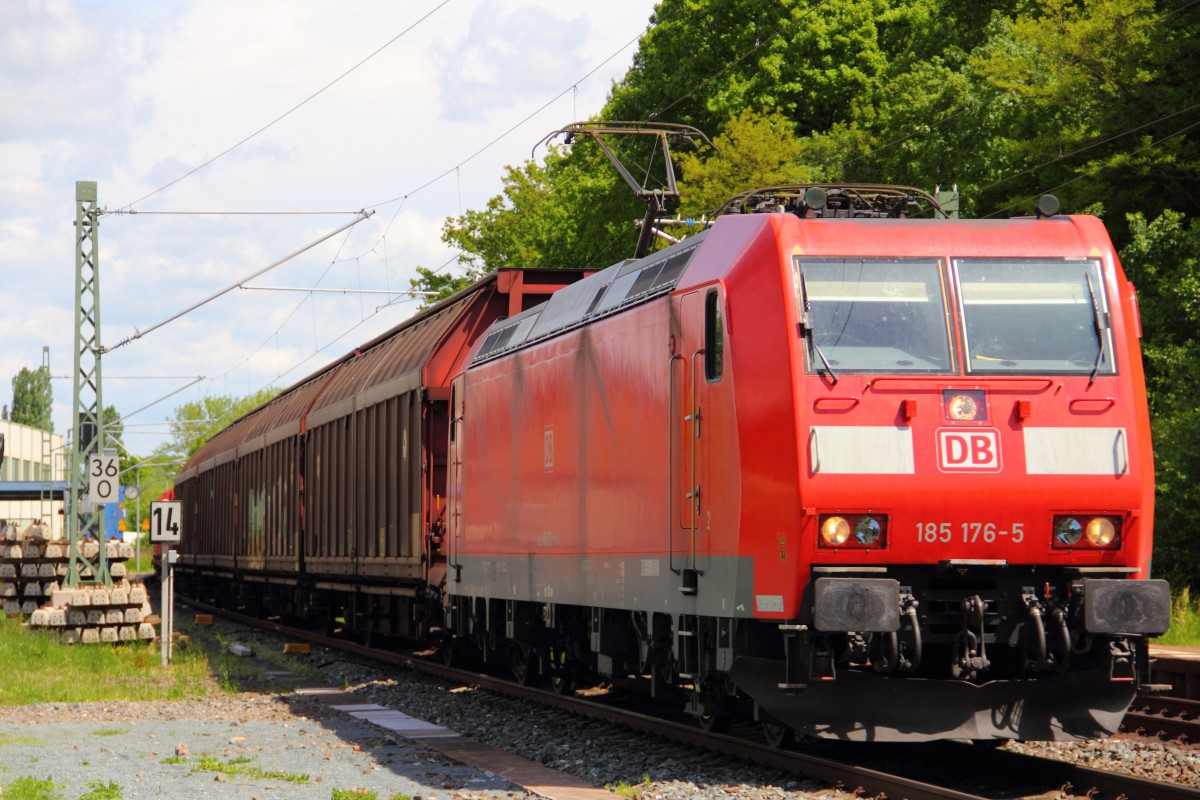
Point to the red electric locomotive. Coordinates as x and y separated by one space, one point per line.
862 475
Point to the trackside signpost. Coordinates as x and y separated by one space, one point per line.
165 528
102 478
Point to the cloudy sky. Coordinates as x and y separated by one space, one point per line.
135 95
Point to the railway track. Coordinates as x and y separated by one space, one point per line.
938 771
1165 718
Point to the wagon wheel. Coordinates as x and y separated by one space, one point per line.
714 723
563 682
450 651
562 676
524 664
776 733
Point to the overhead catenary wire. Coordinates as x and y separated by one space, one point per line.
514 127
135 212
108 377
365 214
409 292
121 419
1081 176
757 46
402 199
406 297
1089 146
290 111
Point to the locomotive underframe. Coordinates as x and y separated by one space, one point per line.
976 652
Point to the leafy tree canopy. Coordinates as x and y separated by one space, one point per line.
1163 260
194 423
33 398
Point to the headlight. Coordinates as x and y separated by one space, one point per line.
1086 532
966 405
1067 531
835 531
1101 532
867 530
853 530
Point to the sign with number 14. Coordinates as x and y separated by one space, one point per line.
164 520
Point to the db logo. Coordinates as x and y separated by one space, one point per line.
974 450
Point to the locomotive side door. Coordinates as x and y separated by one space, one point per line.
451 534
696 363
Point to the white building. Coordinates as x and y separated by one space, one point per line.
35 456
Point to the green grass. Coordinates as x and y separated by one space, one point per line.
1185 621
101 790
630 791
235 766
6 738
67 673
271 658
110 732
353 794
27 788
146 562
233 672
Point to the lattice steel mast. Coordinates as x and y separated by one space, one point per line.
86 400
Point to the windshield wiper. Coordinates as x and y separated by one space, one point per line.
807 327
1100 321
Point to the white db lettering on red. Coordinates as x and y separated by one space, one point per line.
975 450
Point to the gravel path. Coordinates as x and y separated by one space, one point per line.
280 734
257 758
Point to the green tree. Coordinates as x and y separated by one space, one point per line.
754 151
153 476
1095 107
196 422
114 432
1163 260
33 398
570 210
441 284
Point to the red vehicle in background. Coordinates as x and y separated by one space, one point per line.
854 474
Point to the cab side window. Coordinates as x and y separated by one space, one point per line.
714 337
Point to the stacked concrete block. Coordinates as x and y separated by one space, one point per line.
95 614
32 568
31 573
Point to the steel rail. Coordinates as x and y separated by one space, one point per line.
1093 783
1164 717
1167 704
1159 726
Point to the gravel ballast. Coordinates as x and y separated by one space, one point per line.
282 733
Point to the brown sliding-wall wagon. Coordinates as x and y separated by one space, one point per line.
327 502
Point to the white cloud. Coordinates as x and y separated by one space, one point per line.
134 95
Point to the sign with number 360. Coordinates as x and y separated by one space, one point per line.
164 520
102 479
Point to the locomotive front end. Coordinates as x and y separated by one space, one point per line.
975 487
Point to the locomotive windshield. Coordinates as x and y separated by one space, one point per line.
1038 316
875 315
